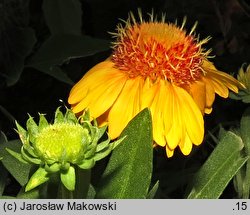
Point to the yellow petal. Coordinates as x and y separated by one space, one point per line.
157 109
99 73
125 107
168 108
208 110
169 152
175 133
222 77
101 98
148 93
219 87
198 92
186 145
227 79
210 94
190 115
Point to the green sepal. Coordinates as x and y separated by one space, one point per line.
70 116
16 155
38 178
30 150
85 116
22 133
90 152
43 123
103 145
105 151
55 167
59 117
32 129
68 178
117 142
95 122
102 154
65 166
101 131
28 158
87 164
96 135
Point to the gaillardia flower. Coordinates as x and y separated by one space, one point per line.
157 65
60 147
244 77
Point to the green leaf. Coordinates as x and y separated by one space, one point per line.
3 138
152 192
91 192
16 39
16 155
69 178
7 197
128 173
245 134
219 169
244 130
32 194
63 17
3 171
3 178
38 178
12 164
59 49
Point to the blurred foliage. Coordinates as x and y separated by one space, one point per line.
47 45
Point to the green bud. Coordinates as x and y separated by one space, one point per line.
62 142
68 143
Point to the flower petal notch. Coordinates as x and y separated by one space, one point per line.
62 146
160 66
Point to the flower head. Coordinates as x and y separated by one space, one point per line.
61 146
244 76
157 65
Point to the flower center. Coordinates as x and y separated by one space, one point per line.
62 142
158 50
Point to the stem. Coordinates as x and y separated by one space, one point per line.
64 193
82 183
50 189
246 183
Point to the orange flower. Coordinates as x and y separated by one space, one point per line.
160 66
